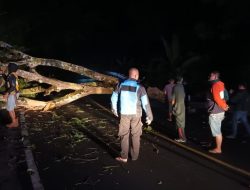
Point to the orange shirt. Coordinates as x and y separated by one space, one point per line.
217 91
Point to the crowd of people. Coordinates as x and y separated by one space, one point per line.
130 98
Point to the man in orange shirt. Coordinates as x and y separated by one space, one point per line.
216 107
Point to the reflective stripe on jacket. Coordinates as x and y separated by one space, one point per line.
132 97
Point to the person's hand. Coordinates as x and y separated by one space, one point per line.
114 112
148 121
226 108
231 91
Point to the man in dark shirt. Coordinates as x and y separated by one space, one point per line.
240 102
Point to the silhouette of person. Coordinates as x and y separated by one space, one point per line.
216 107
240 103
168 94
133 98
178 102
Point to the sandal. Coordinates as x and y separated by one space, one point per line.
120 159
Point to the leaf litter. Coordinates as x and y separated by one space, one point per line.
73 138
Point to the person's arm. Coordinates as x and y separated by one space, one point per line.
114 101
217 90
173 95
165 90
145 103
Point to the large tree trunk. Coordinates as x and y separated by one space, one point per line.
27 71
41 105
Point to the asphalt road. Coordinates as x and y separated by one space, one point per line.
90 163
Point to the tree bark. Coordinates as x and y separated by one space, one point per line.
26 62
59 85
45 106
11 54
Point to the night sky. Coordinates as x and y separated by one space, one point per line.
117 35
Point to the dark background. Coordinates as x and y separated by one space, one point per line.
115 35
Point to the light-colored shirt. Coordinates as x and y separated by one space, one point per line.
168 91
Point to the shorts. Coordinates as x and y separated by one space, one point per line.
11 102
215 121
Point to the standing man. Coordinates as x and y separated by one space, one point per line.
132 97
216 107
11 93
240 103
178 102
168 94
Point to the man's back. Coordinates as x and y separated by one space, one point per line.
168 90
241 101
179 93
129 97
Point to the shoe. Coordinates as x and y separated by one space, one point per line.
120 159
180 140
231 137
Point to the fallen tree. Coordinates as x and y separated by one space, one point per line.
36 83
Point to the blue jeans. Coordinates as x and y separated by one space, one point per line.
242 117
